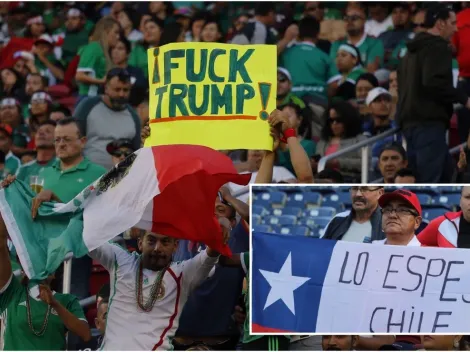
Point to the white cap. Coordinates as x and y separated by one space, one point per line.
41 96
45 38
375 93
285 73
74 13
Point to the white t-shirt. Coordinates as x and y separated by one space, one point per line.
279 174
374 28
129 328
357 232
413 243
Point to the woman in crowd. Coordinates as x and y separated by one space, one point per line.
195 28
348 61
95 60
126 19
343 128
153 28
11 83
173 33
211 32
443 342
364 84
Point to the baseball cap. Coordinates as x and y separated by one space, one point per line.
401 194
285 73
119 143
7 129
375 93
45 38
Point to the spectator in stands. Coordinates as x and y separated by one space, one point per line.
401 49
393 90
441 342
11 83
380 20
401 218
392 159
361 224
34 83
45 61
120 149
258 30
24 63
59 112
45 157
40 301
314 74
404 176
195 28
329 176
379 102
364 84
10 114
100 321
212 324
76 34
371 49
339 342
106 118
172 33
342 129
27 156
127 20
401 13
153 28
238 25
70 173
211 32
12 163
103 294
426 95
294 114
95 59
452 230
41 106
348 62
120 57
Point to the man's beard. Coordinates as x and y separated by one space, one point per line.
118 103
354 32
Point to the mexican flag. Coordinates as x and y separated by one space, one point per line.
169 190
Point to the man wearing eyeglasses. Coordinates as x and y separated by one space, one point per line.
109 117
361 224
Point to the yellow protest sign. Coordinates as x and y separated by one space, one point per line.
212 94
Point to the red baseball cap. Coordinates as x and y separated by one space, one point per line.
401 194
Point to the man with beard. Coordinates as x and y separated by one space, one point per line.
106 118
44 141
76 34
379 101
339 342
10 114
371 49
362 223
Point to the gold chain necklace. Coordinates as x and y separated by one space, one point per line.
30 320
148 306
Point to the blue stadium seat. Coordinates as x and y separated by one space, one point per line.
259 210
333 203
274 198
450 199
323 190
262 228
450 189
300 231
287 211
318 221
424 198
296 200
255 219
287 220
315 232
431 190
312 199
432 213
340 197
284 230
321 211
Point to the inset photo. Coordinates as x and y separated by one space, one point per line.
360 259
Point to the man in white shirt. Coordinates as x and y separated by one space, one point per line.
401 217
148 291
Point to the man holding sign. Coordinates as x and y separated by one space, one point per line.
212 94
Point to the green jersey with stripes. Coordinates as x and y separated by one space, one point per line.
12 164
93 62
16 331
33 168
369 47
310 68
354 75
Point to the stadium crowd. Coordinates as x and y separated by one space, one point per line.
74 102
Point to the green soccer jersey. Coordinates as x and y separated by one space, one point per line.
369 47
354 74
33 168
311 69
17 332
93 62
284 155
138 58
12 164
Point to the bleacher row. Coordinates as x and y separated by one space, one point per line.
306 211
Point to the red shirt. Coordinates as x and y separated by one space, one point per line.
461 42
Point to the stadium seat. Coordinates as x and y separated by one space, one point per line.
314 232
333 203
312 199
424 198
300 231
449 189
450 199
318 221
262 228
432 213
287 211
256 219
287 220
431 190
321 211
259 210
275 198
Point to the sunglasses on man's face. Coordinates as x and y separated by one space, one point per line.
120 153
417 25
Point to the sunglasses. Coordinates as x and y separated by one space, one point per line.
417 25
119 153
335 121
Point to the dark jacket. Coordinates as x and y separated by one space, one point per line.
425 84
339 225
